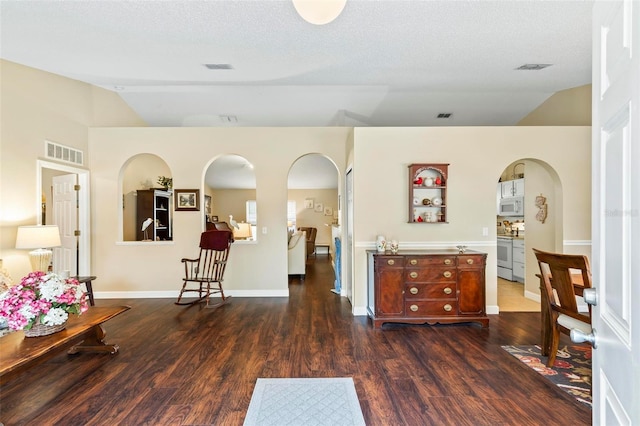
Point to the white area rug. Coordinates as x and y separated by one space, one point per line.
304 402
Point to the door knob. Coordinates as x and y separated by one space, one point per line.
590 296
578 336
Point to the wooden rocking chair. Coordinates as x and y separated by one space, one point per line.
204 275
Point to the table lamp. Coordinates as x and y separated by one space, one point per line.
243 233
41 238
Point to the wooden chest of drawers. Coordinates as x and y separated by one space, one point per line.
427 287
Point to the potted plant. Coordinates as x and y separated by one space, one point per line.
41 303
165 182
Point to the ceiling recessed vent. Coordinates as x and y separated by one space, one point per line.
229 119
219 66
63 153
444 115
532 67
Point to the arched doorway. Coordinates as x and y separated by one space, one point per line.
313 201
518 290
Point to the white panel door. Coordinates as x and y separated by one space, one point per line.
616 212
65 215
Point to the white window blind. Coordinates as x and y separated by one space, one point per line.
291 212
252 212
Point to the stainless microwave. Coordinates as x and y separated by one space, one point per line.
513 206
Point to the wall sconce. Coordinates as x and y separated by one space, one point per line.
41 238
319 12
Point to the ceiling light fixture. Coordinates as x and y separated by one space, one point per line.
319 12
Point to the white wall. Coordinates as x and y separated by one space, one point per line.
37 106
255 268
477 156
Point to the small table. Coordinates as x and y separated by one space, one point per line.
84 333
88 283
325 248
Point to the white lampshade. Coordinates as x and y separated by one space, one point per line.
319 12
244 233
41 238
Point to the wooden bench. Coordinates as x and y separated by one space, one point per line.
83 333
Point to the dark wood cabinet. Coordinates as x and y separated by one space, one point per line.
156 205
428 192
390 275
427 287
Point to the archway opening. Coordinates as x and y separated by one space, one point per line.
230 196
536 186
147 199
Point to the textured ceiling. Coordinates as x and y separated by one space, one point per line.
380 63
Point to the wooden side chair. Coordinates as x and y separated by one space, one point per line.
559 274
311 240
205 274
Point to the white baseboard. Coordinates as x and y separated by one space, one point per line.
493 310
173 294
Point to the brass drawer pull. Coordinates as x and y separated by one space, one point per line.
470 261
447 307
413 262
413 290
414 308
447 274
447 290
447 261
391 262
413 275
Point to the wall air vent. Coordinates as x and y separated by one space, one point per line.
444 115
219 66
63 153
532 67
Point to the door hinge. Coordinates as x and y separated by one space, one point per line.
76 233
76 187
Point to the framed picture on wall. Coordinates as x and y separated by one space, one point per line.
318 208
328 211
187 199
308 203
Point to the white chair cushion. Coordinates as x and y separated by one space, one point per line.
294 239
570 323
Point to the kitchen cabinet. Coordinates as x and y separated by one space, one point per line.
518 260
428 192
512 188
426 287
156 205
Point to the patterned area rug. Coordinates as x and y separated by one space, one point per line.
326 401
571 370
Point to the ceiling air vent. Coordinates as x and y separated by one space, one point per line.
228 119
219 66
63 153
532 67
444 115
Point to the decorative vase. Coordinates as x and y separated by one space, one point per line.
381 244
43 330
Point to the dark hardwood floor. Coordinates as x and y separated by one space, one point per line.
192 366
